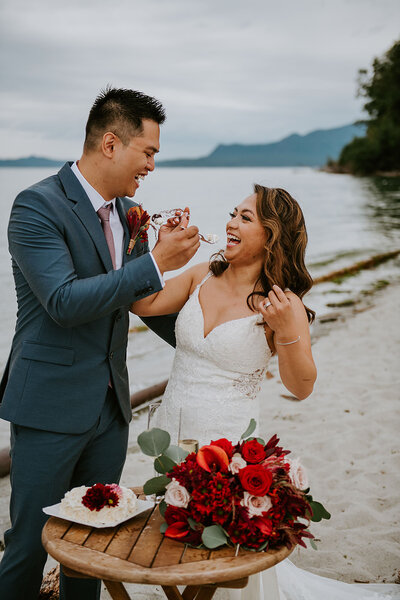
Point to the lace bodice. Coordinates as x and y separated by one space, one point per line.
215 379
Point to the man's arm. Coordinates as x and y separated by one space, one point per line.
37 244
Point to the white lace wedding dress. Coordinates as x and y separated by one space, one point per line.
212 393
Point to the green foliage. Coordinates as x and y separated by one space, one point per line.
213 536
162 507
163 527
156 485
251 427
154 441
176 453
163 464
319 512
379 150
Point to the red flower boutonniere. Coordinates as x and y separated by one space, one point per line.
138 222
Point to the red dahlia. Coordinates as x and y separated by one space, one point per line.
100 495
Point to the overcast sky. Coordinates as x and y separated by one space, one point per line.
226 70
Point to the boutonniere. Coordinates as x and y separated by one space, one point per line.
138 223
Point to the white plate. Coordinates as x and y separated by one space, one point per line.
141 506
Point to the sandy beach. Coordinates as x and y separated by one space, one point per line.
346 434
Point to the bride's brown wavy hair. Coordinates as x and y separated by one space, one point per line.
284 265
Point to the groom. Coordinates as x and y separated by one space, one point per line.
65 390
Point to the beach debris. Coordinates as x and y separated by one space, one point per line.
370 263
50 588
290 397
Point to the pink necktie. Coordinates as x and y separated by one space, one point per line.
104 214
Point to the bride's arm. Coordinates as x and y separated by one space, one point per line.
174 294
287 318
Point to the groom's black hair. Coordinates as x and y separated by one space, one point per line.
121 111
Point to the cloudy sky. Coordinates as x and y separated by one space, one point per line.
227 70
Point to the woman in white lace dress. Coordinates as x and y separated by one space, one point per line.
234 314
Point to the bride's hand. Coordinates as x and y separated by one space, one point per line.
279 315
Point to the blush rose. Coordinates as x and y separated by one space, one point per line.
256 505
297 473
177 495
236 463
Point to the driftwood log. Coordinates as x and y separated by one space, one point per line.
137 399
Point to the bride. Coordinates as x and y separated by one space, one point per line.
235 313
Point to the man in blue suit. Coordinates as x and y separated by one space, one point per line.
65 389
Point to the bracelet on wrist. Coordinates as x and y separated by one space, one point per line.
288 343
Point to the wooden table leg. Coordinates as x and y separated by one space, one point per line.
190 592
206 593
116 590
172 592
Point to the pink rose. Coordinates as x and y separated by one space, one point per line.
176 494
256 505
297 473
236 463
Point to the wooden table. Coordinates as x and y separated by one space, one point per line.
136 552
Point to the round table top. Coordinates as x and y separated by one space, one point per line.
136 552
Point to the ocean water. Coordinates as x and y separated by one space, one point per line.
348 219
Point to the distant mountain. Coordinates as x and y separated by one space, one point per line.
311 150
31 161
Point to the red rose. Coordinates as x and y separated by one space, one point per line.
225 445
212 458
255 479
253 451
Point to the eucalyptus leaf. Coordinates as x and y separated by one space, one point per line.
154 441
319 512
213 536
163 527
176 453
163 464
156 485
251 427
192 523
313 545
263 546
162 507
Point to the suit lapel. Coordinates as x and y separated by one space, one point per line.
122 216
84 210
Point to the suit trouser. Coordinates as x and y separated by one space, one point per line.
44 465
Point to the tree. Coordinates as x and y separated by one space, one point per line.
379 150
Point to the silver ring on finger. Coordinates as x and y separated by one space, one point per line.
268 303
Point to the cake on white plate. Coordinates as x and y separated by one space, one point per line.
99 504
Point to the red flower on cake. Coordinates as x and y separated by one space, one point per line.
98 496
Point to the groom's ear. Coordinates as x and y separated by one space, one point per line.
108 144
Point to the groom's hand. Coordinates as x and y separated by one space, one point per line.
176 246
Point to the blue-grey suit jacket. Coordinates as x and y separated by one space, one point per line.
73 308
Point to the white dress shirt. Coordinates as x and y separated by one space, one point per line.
115 223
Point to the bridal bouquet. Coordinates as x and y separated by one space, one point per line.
248 493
